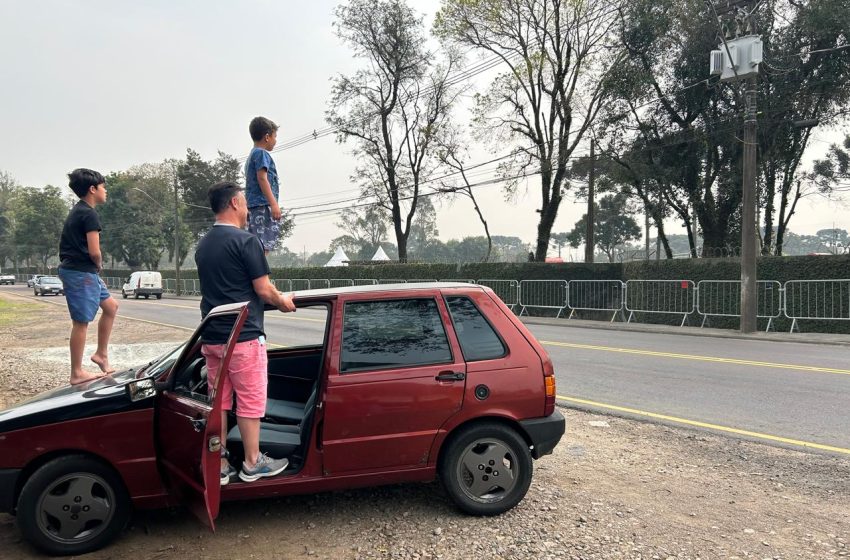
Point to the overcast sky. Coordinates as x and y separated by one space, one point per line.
107 85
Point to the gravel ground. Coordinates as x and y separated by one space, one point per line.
614 488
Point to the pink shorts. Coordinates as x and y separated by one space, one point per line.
247 376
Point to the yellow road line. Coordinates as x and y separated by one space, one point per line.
686 422
735 361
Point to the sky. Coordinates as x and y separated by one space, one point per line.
108 85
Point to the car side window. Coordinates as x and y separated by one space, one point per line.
393 334
478 340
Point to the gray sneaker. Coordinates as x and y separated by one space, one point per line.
265 467
227 474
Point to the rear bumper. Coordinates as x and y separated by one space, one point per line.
544 433
8 486
148 291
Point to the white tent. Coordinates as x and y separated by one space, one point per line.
380 255
339 258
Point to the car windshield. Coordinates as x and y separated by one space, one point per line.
50 281
161 364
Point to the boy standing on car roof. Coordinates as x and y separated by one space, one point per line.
79 251
232 268
262 185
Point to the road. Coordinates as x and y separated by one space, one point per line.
785 393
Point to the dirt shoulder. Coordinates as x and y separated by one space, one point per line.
614 488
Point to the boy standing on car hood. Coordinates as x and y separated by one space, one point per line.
232 268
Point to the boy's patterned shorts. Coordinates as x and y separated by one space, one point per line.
267 229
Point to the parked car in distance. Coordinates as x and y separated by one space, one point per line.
409 382
31 280
7 279
48 285
143 283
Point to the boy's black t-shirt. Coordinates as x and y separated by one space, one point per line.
74 245
229 259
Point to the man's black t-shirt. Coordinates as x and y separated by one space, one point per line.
74 245
228 260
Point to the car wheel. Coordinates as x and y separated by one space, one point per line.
158 296
486 469
72 505
136 296
124 294
35 293
147 296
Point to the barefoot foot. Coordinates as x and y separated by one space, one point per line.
103 363
84 376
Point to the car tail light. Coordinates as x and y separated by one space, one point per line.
549 382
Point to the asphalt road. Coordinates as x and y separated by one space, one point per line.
785 393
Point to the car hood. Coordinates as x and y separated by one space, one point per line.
106 395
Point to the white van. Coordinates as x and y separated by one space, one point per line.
145 283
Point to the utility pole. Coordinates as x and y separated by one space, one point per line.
738 59
176 236
589 242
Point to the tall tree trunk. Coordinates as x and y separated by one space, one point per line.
769 208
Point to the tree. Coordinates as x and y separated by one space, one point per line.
423 233
560 240
612 226
39 217
554 52
8 190
832 175
393 108
365 228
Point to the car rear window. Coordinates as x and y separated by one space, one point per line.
478 340
393 333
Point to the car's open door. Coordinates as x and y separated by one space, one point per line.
188 426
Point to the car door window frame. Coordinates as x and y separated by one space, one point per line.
446 334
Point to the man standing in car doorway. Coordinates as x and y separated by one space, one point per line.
232 268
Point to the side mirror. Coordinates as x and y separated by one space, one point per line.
141 389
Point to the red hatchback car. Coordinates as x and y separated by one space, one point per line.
410 382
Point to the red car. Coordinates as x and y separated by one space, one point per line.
411 381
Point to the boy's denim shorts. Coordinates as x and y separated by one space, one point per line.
266 228
83 292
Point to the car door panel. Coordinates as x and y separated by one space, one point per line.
188 429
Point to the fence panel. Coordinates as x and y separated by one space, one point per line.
340 283
283 284
299 284
391 281
507 290
671 297
422 281
827 300
319 283
461 280
722 298
596 295
543 294
365 281
169 285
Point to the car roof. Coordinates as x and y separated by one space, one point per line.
381 288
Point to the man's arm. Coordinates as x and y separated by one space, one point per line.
93 242
266 187
269 294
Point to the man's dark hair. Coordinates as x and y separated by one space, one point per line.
221 194
80 180
259 127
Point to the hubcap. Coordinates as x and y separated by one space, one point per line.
75 508
487 471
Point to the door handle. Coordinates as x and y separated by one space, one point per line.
451 376
199 424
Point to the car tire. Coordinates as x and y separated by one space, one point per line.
147 296
35 293
158 296
136 296
486 468
47 507
123 294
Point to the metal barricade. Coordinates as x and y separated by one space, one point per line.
597 295
826 300
460 280
392 281
422 281
722 298
319 283
169 285
668 297
365 281
283 284
507 290
543 294
340 283
299 284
